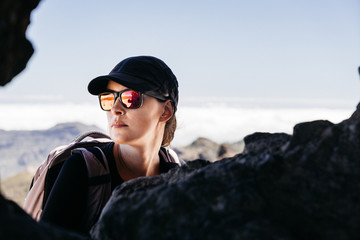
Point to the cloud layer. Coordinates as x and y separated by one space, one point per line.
219 123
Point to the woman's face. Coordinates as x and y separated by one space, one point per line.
133 126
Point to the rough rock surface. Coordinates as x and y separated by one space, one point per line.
304 186
15 49
16 224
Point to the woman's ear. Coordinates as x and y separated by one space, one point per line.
168 111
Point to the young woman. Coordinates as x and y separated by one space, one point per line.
140 98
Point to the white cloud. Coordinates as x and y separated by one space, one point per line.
232 124
219 123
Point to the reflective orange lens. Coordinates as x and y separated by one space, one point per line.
107 101
131 99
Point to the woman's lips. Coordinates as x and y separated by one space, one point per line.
118 124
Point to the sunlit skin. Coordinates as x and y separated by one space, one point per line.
138 134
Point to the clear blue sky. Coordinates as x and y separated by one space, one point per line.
286 49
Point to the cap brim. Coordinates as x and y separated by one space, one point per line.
99 85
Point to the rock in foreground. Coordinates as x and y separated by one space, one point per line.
16 224
15 49
304 186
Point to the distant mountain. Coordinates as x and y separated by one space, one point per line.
23 150
203 148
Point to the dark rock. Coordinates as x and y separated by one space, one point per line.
15 49
304 186
308 131
265 142
356 114
16 224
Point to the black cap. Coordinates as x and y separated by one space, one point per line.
145 74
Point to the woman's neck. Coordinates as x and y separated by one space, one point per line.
133 162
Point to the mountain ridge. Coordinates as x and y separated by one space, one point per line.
24 149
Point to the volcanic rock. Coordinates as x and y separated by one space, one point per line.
15 49
16 224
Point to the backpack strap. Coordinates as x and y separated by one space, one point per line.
93 134
170 156
99 182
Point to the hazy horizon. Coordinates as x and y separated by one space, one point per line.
218 122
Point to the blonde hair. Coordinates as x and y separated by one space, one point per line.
169 132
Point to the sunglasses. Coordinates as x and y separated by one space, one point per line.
130 99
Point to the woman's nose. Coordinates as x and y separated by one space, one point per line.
118 108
